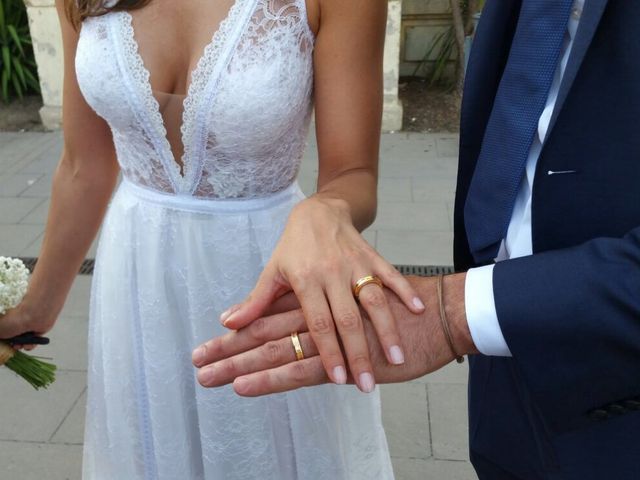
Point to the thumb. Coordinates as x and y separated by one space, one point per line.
270 286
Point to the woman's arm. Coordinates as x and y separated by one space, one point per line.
82 185
321 253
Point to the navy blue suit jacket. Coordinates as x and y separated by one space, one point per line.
565 406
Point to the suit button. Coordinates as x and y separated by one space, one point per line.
616 409
632 404
598 414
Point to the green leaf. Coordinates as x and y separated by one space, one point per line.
16 38
2 19
6 59
32 82
17 86
20 71
4 83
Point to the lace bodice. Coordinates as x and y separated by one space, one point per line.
245 115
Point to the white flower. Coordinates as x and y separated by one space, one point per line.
14 277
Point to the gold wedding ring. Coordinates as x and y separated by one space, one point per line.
297 346
363 282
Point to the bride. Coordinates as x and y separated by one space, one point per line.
204 106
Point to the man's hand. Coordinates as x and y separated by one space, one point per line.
260 359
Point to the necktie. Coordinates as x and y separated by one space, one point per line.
519 102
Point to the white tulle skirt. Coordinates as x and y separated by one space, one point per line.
166 267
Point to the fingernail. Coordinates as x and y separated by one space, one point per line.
241 385
340 375
224 317
206 376
396 354
198 355
366 382
418 303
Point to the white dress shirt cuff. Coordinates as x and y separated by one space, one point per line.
481 313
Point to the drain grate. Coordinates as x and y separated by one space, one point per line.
419 270
85 269
425 270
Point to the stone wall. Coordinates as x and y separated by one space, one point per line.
47 45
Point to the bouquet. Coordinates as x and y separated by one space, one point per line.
14 277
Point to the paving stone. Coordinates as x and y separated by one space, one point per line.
14 185
371 236
46 161
32 250
17 155
449 424
34 416
430 190
15 238
36 461
71 432
77 304
394 190
409 247
38 216
405 415
448 145
419 469
68 347
12 210
453 373
41 188
409 216
407 147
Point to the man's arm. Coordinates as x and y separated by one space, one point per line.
571 319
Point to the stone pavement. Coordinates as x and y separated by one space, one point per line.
41 433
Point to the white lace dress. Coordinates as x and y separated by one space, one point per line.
180 245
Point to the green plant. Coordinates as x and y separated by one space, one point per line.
443 44
452 38
17 63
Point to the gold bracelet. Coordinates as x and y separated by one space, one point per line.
445 322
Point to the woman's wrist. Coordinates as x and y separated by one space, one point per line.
328 203
39 311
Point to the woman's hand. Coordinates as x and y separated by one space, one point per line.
320 257
20 320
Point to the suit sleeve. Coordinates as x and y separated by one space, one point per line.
571 319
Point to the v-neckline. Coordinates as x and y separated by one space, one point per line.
199 78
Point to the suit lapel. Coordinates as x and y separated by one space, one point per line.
589 21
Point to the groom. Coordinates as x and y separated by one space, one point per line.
549 172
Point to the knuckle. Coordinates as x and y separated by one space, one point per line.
299 372
353 255
258 330
369 250
349 320
214 348
359 361
320 324
229 367
373 297
300 278
273 353
331 265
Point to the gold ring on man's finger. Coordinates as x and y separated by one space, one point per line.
297 346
